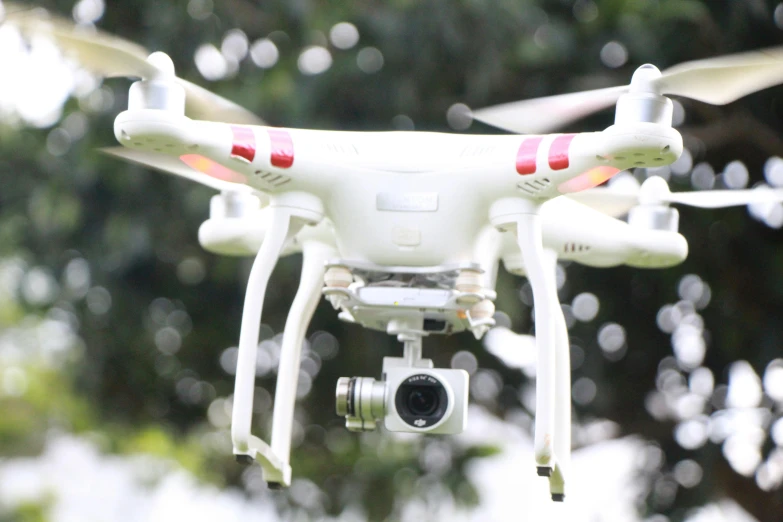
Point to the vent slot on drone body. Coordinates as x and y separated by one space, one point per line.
271 178
534 187
342 148
575 247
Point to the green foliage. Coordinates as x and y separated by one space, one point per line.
47 403
27 512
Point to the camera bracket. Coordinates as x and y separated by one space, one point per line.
409 330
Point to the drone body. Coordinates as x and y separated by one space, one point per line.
391 196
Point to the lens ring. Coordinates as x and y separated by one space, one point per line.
422 401
341 396
351 397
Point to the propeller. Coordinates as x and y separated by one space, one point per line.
615 199
110 56
655 191
717 81
173 165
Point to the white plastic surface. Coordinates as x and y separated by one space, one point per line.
546 308
313 266
562 348
380 188
281 229
519 216
173 165
288 215
578 233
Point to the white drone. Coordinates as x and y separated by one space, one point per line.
403 231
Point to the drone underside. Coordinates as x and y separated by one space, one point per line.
445 300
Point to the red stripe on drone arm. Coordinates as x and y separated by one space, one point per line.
244 144
282 148
587 180
212 168
558 152
526 156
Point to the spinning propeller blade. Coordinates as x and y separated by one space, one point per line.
172 165
727 198
547 114
607 200
723 79
717 81
111 56
655 191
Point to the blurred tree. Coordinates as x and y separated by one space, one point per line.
106 254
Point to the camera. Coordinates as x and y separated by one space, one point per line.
408 399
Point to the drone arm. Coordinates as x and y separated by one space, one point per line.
314 257
544 167
271 160
579 233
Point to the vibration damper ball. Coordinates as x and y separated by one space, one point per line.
482 310
338 276
469 281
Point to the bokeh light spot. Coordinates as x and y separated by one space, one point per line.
344 35
314 60
369 60
614 54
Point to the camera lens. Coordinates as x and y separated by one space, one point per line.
422 400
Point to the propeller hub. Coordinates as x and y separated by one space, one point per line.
645 79
163 64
